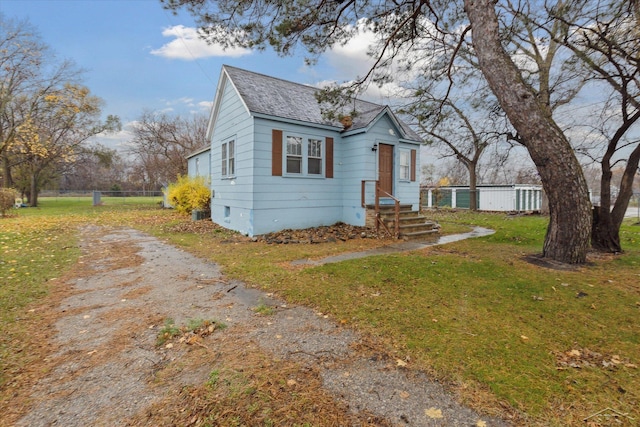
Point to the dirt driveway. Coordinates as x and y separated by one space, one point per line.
105 367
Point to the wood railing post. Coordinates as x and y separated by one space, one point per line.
377 193
377 207
397 215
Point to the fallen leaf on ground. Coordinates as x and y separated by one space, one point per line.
401 362
433 413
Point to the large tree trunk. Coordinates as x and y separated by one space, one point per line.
569 229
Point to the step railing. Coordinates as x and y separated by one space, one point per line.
379 221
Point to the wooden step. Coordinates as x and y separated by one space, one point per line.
412 224
418 235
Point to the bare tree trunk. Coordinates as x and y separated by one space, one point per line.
605 233
603 236
33 196
567 238
473 181
7 179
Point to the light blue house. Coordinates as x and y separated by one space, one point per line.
276 163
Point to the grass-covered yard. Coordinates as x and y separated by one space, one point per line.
551 347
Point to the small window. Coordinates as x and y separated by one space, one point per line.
405 167
197 166
314 159
232 160
294 154
224 159
228 167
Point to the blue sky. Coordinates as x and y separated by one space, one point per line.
138 56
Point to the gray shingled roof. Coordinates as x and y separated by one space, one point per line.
276 97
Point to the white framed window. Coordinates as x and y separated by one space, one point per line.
227 156
314 157
304 156
405 165
232 158
294 154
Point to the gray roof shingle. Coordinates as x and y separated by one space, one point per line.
281 98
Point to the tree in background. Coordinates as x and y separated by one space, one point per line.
28 73
54 129
46 114
161 143
464 125
96 168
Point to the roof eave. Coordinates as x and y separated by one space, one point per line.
293 121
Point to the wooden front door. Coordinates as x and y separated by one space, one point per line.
385 168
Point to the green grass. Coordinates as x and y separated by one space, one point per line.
31 258
264 309
473 313
83 206
168 331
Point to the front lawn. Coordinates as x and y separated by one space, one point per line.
511 338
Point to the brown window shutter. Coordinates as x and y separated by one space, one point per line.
276 152
329 171
413 165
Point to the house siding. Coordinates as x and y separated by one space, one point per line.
200 165
290 201
232 203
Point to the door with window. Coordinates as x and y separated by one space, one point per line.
385 167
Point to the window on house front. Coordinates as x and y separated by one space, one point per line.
228 158
405 165
294 154
314 158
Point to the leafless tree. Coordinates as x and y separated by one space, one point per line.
161 143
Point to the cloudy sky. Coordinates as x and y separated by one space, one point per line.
138 56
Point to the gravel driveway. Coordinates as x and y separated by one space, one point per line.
106 365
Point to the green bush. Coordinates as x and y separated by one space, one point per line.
7 200
189 193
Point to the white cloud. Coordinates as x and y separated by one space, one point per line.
116 140
181 105
205 105
188 45
352 60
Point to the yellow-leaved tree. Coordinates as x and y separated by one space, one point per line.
52 132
